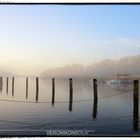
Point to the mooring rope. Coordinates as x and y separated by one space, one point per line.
84 100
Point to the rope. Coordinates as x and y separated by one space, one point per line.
22 101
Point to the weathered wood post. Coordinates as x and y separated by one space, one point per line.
13 86
53 91
1 83
94 114
70 94
135 105
7 80
37 88
26 87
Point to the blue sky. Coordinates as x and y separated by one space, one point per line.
38 37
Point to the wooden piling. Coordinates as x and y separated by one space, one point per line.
70 93
53 91
1 83
26 87
136 105
13 86
94 114
37 88
7 81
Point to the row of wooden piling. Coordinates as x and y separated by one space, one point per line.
95 95
95 101
53 90
7 82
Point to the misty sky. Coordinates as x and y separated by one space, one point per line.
34 38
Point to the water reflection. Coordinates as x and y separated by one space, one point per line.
125 87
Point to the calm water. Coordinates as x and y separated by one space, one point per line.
21 115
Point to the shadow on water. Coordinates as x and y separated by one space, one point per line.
70 94
94 114
53 91
136 105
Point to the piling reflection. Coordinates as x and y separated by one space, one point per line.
13 86
136 105
1 83
26 87
70 94
94 113
7 80
37 88
53 91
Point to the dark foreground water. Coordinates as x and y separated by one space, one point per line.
22 112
